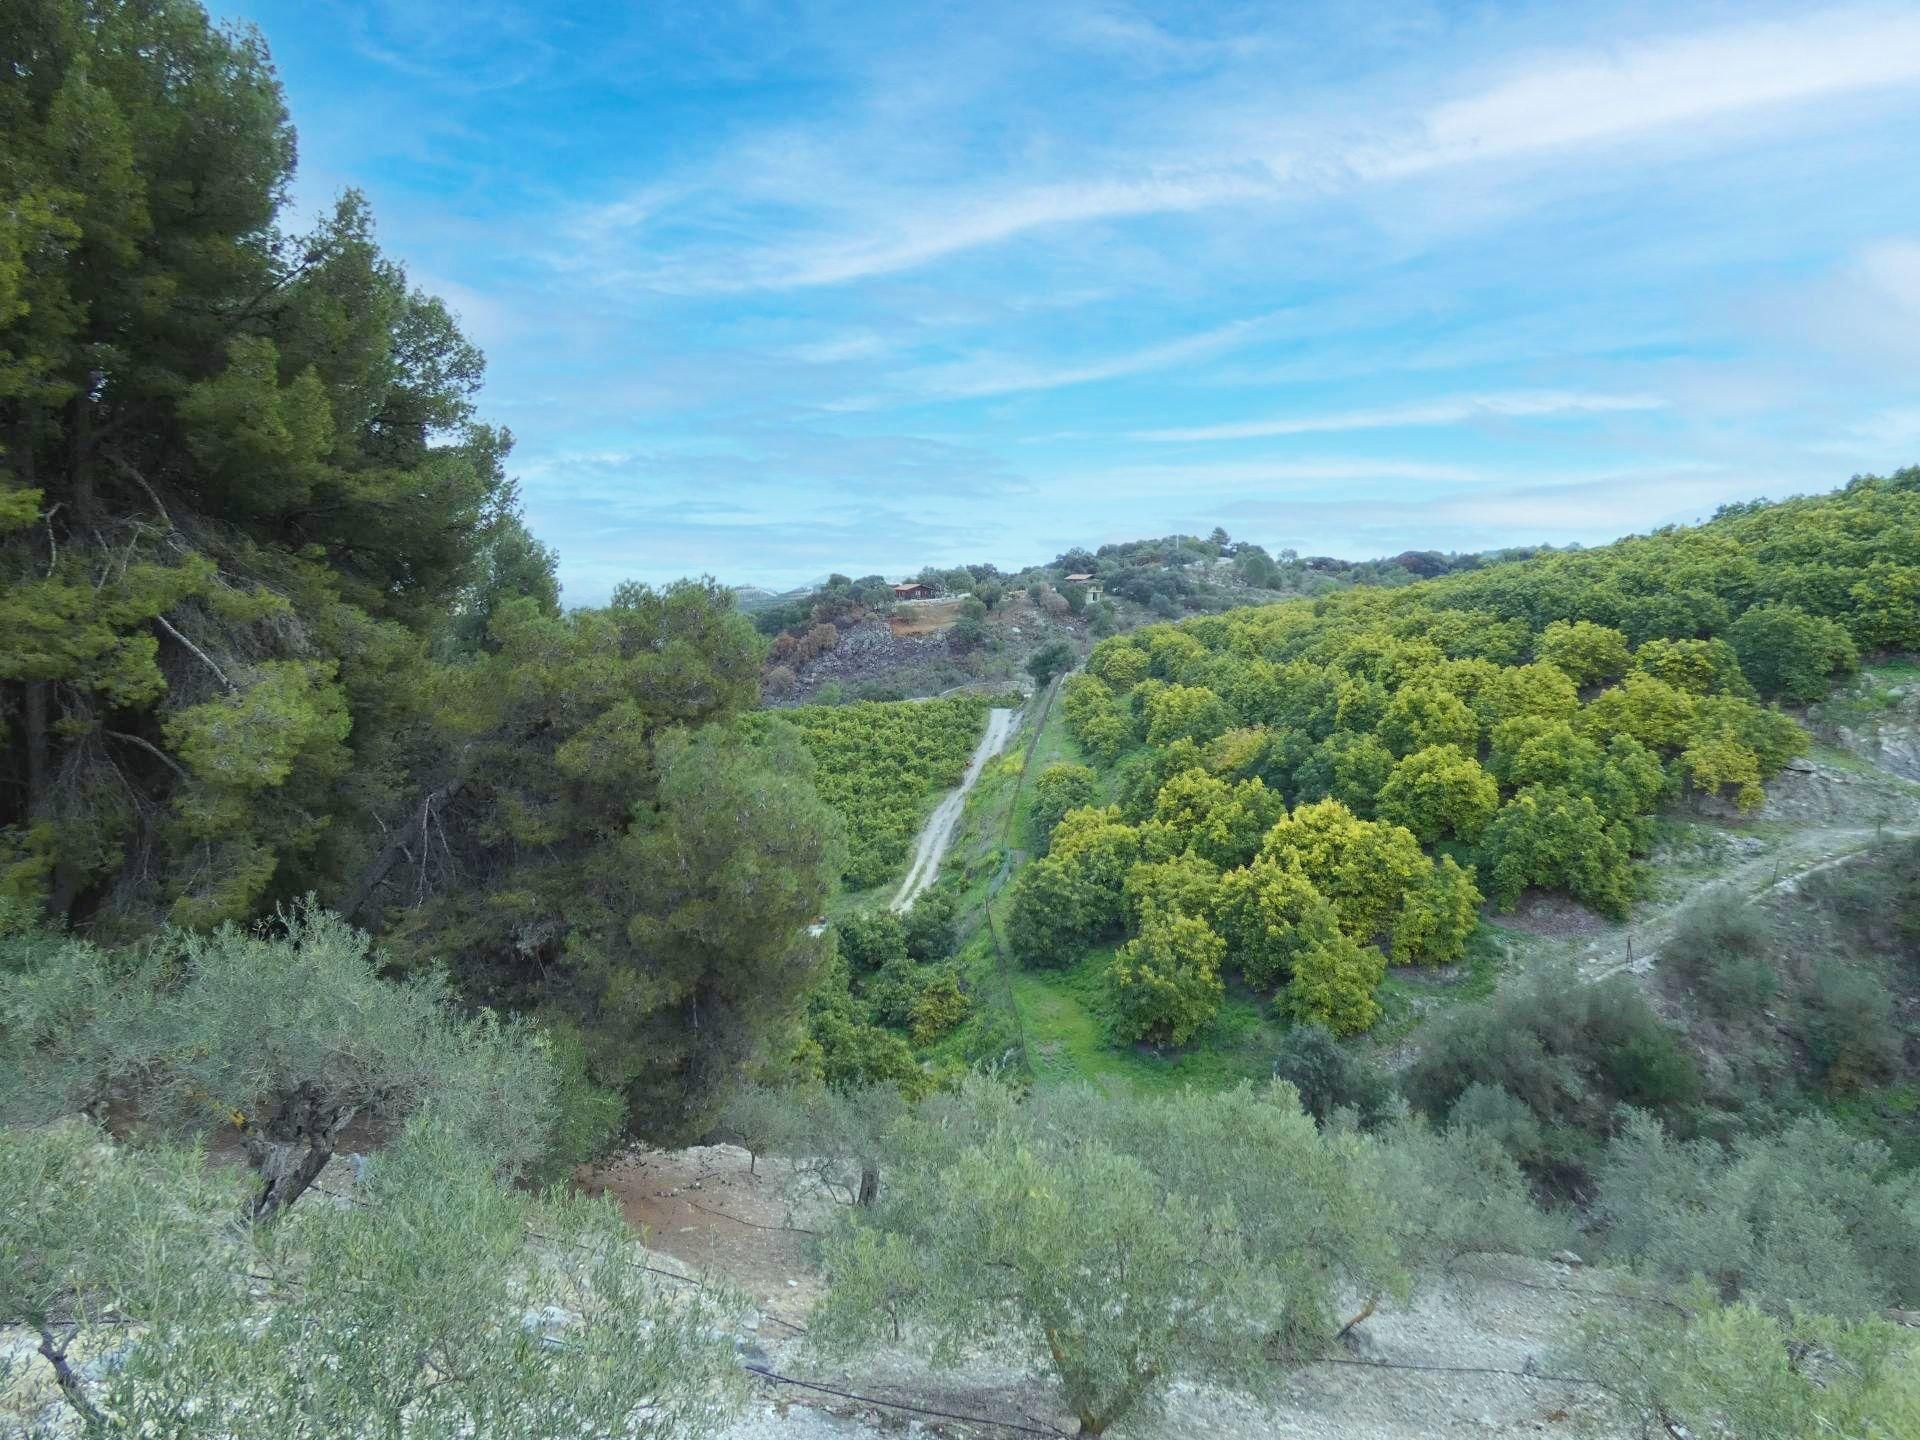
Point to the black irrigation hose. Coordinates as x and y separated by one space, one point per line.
752 1224
778 1379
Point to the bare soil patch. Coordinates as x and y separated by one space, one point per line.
705 1208
924 617
1553 916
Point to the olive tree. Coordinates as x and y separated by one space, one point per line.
1691 1364
285 1036
440 1304
1118 1245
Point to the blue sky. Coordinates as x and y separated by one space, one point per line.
774 289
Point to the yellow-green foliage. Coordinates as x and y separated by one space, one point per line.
1165 982
939 1007
879 763
1365 868
1532 715
1334 977
1268 911
1589 653
1441 790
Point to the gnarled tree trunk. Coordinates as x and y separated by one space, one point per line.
292 1148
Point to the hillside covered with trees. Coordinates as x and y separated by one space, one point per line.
357 900
1306 792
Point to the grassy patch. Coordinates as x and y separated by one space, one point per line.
1054 745
1865 699
1063 1012
1410 993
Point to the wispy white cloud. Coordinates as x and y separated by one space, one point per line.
1457 410
1666 84
1888 437
839 349
1588 507
1866 311
1673 85
998 375
949 225
1245 477
1892 269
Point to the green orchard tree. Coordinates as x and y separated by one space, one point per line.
1058 788
1789 654
1440 791
1586 652
1334 977
1164 983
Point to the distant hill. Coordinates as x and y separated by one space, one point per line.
752 598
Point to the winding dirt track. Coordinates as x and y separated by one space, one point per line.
931 848
1808 852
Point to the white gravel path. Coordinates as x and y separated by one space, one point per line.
931 848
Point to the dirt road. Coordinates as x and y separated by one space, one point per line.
1805 853
931 848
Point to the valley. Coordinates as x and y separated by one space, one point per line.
475 964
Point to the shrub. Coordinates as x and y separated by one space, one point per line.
1718 1369
422 1309
1789 654
941 1005
1569 1051
1123 1246
968 633
588 1119
928 927
1488 1110
1812 1219
286 1038
1850 1030
1330 1077
1721 947
871 939
1054 658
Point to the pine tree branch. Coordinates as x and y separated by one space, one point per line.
152 749
126 468
205 659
